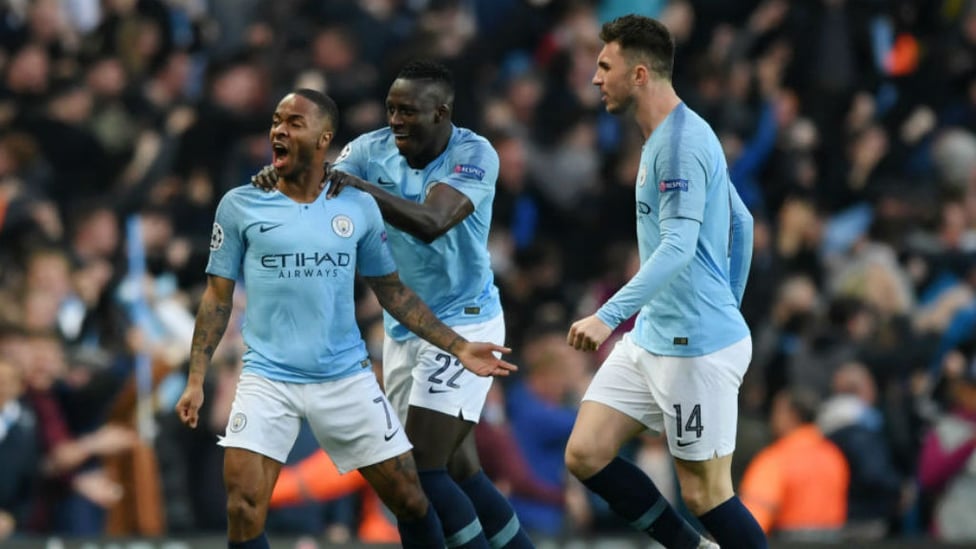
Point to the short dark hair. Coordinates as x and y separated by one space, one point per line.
432 71
325 104
644 37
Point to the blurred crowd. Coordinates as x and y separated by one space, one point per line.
850 131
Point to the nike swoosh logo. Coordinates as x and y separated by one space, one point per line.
379 180
266 228
434 391
683 444
391 435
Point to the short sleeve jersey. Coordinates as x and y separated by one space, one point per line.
453 273
298 263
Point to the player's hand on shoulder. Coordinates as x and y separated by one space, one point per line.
480 358
588 334
266 179
338 180
188 407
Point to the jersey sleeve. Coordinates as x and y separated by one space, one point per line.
353 158
474 170
226 241
373 255
682 182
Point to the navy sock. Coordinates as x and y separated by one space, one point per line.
497 517
421 533
733 526
260 542
632 495
461 526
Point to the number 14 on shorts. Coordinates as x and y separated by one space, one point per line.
692 425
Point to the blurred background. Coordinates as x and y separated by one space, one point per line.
849 131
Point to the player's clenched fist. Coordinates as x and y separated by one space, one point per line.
188 407
588 334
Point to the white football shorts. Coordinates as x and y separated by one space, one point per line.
416 373
350 417
693 400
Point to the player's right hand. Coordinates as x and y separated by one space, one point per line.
480 358
266 179
188 407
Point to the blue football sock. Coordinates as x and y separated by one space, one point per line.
461 526
260 542
733 526
497 517
633 496
421 533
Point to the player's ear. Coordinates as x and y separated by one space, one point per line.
442 112
325 138
641 74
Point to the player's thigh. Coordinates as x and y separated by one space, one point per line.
705 483
353 421
616 407
249 476
397 484
699 398
399 359
464 462
435 436
265 417
442 384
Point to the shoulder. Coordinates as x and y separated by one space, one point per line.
242 195
382 137
356 200
464 138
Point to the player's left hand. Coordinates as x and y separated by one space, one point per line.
266 179
479 358
588 334
339 180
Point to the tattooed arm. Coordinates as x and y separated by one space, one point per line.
212 317
405 306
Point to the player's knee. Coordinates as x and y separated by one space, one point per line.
582 461
244 508
409 502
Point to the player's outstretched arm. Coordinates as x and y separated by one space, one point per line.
266 179
443 208
405 306
212 318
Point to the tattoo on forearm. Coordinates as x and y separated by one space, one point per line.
405 306
211 323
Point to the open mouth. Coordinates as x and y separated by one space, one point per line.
400 138
279 155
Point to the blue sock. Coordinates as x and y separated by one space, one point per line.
733 526
632 495
461 526
497 517
421 533
260 542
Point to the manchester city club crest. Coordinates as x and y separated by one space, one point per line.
342 226
642 176
238 422
216 237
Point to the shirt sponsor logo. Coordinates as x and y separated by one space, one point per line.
307 264
469 169
673 185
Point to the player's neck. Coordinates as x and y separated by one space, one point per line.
653 108
304 187
423 158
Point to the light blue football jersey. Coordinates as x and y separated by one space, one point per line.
683 173
453 273
299 263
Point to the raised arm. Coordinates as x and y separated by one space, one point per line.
212 318
443 208
401 302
